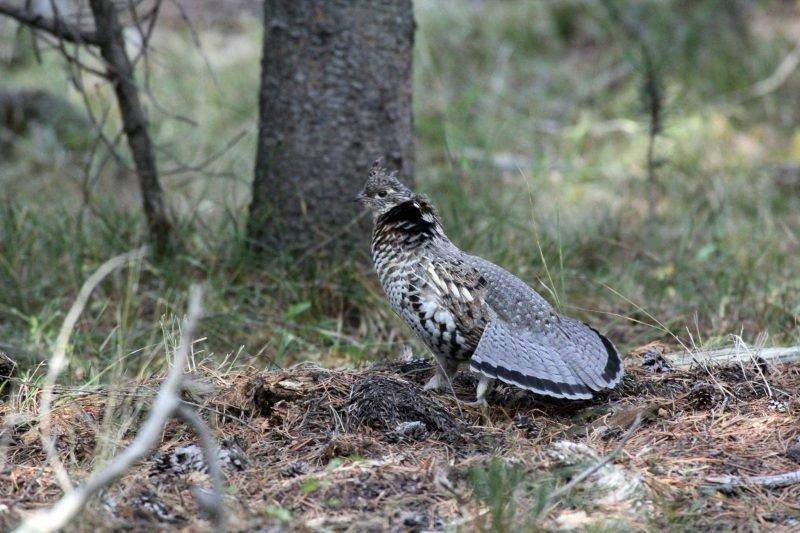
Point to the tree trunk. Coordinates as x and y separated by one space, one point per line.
335 96
110 40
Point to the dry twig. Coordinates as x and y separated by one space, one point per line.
58 361
733 356
211 502
166 404
780 76
729 482
56 26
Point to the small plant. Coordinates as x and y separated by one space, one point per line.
495 485
280 514
310 485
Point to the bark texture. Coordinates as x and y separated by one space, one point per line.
110 40
335 95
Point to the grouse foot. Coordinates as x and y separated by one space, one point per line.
435 383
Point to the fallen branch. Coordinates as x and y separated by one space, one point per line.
166 404
58 361
212 503
780 76
728 482
734 356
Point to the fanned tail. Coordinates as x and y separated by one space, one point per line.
573 361
517 357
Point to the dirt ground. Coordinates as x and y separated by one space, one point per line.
309 448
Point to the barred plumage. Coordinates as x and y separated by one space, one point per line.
468 310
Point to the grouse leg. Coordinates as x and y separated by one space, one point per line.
484 382
445 370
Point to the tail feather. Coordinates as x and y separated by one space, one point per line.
571 361
612 372
588 353
517 357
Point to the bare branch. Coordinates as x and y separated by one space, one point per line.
144 34
785 69
652 95
120 71
143 54
196 38
326 240
202 165
166 404
213 502
56 27
775 481
58 361
108 37
76 78
734 356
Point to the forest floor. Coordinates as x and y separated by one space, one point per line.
309 448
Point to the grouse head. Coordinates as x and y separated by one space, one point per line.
383 191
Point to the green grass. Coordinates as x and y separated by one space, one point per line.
552 84
716 259
513 497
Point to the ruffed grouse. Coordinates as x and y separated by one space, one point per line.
468 310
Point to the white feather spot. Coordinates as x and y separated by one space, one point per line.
467 295
444 317
429 308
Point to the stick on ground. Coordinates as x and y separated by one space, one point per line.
58 361
734 356
771 482
166 404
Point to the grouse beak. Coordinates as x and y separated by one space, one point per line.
359 198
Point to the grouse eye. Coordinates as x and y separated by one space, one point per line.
382 194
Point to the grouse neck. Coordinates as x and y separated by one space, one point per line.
412 223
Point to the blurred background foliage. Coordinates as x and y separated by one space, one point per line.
531 136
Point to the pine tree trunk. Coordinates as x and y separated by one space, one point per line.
335 96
